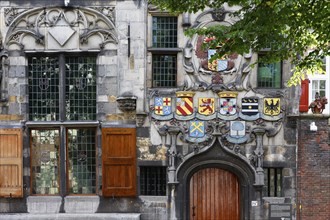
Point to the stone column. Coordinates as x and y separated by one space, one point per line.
172 155
259 153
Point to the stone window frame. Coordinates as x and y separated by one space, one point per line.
63 126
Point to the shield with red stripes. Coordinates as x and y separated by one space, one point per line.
184 106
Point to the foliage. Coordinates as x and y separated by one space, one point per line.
289 28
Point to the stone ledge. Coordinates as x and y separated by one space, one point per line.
65 216
4 117
81 204
43 204
310 116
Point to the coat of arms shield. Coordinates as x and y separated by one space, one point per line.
184 103
250 106
272 106
163 106
206 106
196 129
216 64
228 103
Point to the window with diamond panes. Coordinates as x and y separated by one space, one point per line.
164 32
269 75
47 91
164 70
153 181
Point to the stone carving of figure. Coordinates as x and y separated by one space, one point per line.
318 105
3 70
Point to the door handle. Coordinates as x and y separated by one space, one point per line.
193 211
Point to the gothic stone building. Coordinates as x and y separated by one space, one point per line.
107 110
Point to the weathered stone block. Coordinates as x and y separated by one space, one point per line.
44 204
81 204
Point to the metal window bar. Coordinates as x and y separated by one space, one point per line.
164 70
153 181
43 88
81 161
273 182
80 88
164 32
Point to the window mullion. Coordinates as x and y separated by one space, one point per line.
63 148
62 87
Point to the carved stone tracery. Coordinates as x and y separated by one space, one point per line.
61 24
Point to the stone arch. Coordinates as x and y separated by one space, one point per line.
215 157
58 29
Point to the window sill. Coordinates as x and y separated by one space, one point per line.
159 199
58 123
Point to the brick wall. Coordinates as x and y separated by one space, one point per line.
313 177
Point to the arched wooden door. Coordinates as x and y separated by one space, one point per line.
214 195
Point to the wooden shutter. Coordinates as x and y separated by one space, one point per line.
11 163
303 105
119 161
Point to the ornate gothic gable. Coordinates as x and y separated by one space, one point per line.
60 29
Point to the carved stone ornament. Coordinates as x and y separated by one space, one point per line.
140 118
127 102
54 28
229 72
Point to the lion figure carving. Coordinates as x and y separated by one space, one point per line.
318 105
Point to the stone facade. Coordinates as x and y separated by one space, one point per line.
275 136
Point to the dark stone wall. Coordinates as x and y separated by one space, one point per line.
313 180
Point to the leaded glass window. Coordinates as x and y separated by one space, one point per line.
164 70
62 88
44 88
164 51
81 161
45 161
164 32
47 90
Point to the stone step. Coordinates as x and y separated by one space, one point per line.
68 216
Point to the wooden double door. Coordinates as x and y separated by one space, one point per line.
214 195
